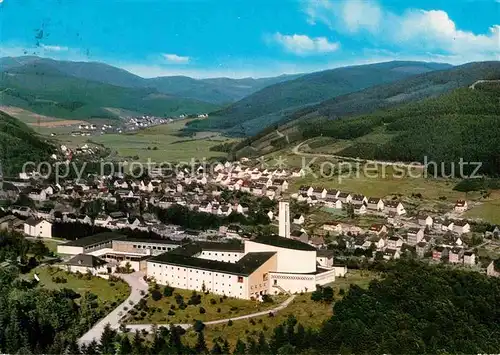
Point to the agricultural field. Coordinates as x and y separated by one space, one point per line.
307 312
167 310
162 144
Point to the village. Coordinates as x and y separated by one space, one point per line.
234 191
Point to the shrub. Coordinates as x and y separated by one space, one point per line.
341 292
143 314
172 307
218 310
156 295
213 301
260 321
182 306
171 313
142 293
271 314
221 300
202 310
168 291
230 323
179 299
252 322
267 299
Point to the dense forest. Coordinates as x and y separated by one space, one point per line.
20 144
462 124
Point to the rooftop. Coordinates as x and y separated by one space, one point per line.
95 239
284 243
86 260
245 266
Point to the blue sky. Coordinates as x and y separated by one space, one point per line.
202 38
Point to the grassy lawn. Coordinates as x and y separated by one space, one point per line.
103 289
228 307
164 143
307 312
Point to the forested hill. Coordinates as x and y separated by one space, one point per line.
42 88
20 144
268 105
462 124
369 100
417 309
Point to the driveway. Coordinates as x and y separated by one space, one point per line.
140 327
137 284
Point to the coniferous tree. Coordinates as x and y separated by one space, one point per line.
201 345
240 348
137 347
226 349
107 342
263 346
125 348
92 348
252 347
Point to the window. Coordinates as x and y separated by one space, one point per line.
240 279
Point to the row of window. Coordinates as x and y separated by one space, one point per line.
221 254
139 246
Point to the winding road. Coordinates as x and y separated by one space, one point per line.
296 151
137 284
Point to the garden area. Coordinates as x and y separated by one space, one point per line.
166 305
112 291
309 309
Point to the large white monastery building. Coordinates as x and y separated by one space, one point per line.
261 266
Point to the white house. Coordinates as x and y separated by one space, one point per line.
461 227
395 207
460 206
425 221
38 228
375 204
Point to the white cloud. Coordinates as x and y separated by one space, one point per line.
417 29
303 45
53 48
345 15
176 59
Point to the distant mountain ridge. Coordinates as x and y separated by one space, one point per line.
274 102
213 90
42 88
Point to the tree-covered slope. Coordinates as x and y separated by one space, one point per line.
19 144
417 309
463 124
309 89
44 89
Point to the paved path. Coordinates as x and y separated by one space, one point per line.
137 284
296 151
134 327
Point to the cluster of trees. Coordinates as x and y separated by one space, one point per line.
16 249
223 147
187 218
38 320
